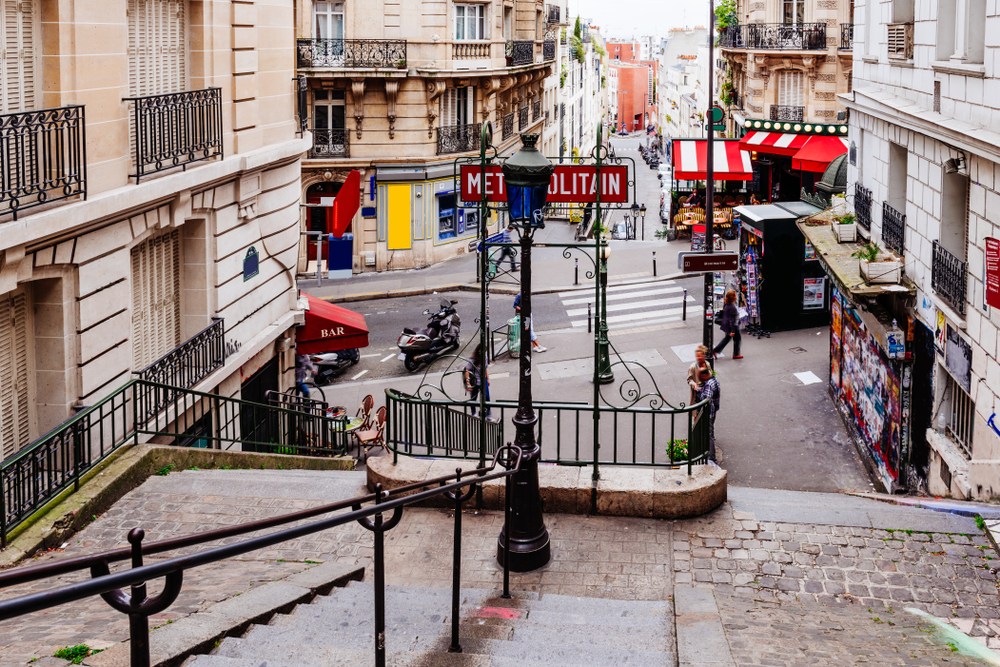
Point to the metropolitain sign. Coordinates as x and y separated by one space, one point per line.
569 184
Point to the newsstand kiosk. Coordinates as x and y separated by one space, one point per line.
782 284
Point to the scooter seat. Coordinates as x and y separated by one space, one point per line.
408 330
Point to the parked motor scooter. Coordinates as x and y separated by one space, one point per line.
425 345
331 364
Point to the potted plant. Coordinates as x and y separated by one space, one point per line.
677 450
844 227
877 266
401 64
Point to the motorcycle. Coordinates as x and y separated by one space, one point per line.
425 345
331 364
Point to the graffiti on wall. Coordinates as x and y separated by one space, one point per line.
869 388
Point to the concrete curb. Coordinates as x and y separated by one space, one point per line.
658 493
125 470
170 645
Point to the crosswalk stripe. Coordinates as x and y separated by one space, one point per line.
625 295
650 303
631 284
632 317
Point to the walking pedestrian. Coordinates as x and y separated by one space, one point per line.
304 370
535 345
477 379
700 355
710 390
730 324
507 251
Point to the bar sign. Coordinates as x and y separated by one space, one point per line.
992 273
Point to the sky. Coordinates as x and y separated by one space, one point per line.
628 18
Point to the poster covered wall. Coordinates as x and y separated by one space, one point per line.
864 381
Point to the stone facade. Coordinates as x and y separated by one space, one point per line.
141 265
922 107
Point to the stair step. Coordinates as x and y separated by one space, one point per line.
325 657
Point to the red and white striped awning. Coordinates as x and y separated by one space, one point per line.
777 143
819 153
690 157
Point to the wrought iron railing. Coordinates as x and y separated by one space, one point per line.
508 126
549 49
520 52
846 36
369 53
862 206
629 436
893 227
462 50
55 462
522 118
948 277
43 157
775 36
731 37
785 112
176 129
536 110
379 512
330 144
458 138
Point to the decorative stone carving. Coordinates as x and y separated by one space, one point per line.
757 6
391 91
435 87
827 4
831 59
827 113
827 77
358 101
825 95
248 187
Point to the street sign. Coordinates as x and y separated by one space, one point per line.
718 114
992 272
569 184
701 262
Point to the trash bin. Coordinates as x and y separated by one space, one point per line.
514 336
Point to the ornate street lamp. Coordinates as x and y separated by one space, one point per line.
606 376
526 176
635 217
642 214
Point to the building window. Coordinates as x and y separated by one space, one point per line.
470 22
793 11
960 412
157 47
898 157
156 298
955 214
790 85
457 106
329 110
329 20
452 220
15 367
961 30
17 55
507 32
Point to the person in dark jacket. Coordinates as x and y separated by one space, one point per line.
730 326
710 389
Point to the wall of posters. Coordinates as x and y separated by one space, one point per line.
836 323
939 333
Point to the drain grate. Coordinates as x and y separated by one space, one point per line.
797 350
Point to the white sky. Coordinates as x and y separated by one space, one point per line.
628 18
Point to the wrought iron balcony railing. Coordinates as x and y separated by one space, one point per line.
784 112
522 118
900 41
520 52
459 138
775 36
330 144
176 129
43 157
862 206
508 126
344 53
948 277
549 49
846 36
536 110
893 227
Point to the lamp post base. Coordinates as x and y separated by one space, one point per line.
526 555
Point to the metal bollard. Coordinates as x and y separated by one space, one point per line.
588 318
684 307
654 263
576 271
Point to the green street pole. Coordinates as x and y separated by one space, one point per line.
485 142
604 374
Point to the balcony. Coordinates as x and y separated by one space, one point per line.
900 41
352 53
508 126
459 138
536 110
948 277
846 36
522 118
176 129
863 206
330 144
549 49
784 112
43 157
775 37
520 52
893 227
462 50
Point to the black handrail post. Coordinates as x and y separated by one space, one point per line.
506 542
138 622
379 583
456 584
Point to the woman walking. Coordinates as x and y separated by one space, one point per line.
477 379
730 326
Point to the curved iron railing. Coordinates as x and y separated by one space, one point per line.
520 52
330 144
893 227
43 157
140 606
785 112
458 138
176 129
389 53
948 277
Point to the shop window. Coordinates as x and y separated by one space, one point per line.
960 412
470 22
454 221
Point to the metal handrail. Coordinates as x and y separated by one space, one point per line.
140 607
169 368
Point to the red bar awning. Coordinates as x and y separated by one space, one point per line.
818 153
330 328
776 143
690 156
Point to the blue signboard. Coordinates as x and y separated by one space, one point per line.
251 264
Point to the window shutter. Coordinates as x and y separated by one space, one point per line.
157 48
17 80
449 101
15 403
156 289
790 89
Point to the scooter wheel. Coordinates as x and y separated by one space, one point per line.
411 363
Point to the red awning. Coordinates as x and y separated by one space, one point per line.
330 328
777 143
818 153
731 163
346 204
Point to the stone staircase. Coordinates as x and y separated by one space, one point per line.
525 631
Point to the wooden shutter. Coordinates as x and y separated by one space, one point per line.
157 48
15 398
790 89
449 105
156 290
17 79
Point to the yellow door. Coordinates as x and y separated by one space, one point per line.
399 236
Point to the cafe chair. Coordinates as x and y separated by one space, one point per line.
365 411
373 436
